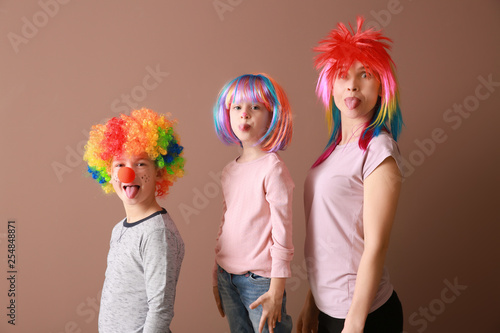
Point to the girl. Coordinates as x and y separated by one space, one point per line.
352 190
254 244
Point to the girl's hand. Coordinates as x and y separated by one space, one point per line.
218 301
308 318
271 309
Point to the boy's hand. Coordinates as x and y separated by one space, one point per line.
271 305
218 301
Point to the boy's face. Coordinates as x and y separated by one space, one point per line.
140 190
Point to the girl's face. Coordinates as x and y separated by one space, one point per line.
355 93
249 121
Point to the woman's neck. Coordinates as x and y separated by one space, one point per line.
352 129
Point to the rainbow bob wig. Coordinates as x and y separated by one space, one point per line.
336 54
259 88
144 131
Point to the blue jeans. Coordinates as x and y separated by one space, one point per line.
237 292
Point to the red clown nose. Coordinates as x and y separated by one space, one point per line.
126 175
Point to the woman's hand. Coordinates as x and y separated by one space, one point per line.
218 301
308 318
351 328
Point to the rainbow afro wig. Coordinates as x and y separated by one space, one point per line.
144 131
259 88
337 53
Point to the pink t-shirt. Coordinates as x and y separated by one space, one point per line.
333 198
256 230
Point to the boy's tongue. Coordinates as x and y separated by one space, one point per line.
131 191
352 102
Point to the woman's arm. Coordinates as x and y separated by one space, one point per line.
381 193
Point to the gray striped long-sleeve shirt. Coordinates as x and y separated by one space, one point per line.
144 262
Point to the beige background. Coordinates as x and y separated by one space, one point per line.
67 65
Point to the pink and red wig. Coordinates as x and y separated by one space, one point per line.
144 131
337 53
259 88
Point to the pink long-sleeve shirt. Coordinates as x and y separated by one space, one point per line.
256 230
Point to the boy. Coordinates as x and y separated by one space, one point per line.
139 158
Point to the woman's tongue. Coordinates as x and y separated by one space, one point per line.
352 102
131 191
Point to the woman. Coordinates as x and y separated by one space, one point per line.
351 192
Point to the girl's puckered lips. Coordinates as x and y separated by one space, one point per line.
244 127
